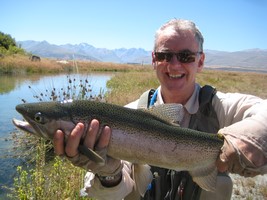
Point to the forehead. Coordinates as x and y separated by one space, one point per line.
170 40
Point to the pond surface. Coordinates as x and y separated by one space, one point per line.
16 90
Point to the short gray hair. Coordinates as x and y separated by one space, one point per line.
177 25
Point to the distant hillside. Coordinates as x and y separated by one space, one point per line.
86 51
253 58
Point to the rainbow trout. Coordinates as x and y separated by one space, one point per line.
138 136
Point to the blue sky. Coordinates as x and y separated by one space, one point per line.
227 25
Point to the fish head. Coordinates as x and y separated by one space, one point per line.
43 119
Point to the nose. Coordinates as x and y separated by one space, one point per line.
174 64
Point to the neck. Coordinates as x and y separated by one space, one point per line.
176 96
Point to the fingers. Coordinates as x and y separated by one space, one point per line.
73 142
222 166
227 154
91 137
58 142
104 138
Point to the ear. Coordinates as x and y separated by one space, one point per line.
201 62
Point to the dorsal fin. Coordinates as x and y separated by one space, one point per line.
172 113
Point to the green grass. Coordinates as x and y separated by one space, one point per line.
57 179
127 87
248 83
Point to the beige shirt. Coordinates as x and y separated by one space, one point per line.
242 119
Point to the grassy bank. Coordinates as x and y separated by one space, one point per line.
58 179
21 64
243 82
126 87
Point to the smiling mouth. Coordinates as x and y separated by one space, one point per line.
176 76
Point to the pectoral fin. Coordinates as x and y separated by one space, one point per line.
91 154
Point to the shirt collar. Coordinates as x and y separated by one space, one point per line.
191 105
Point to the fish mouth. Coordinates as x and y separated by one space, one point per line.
29 128
176 76
24 125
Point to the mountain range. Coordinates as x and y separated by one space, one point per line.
248 59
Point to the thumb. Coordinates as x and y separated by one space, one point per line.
221 163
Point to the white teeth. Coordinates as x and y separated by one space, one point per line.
176 75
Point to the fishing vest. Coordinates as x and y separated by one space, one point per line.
169 184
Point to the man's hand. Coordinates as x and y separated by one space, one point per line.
230 160
111 166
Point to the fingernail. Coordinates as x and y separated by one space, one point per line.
93 124
80 126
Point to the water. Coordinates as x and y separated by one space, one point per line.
13 90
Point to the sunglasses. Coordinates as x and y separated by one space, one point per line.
182 56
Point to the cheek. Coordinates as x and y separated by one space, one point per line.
160 67
196 67
159 73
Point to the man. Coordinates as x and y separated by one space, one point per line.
177 58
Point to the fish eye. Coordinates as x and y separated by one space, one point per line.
38 117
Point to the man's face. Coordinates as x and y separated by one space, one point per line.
178 75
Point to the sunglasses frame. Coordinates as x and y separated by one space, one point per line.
184 56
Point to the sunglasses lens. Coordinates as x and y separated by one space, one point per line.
160 56
186 57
